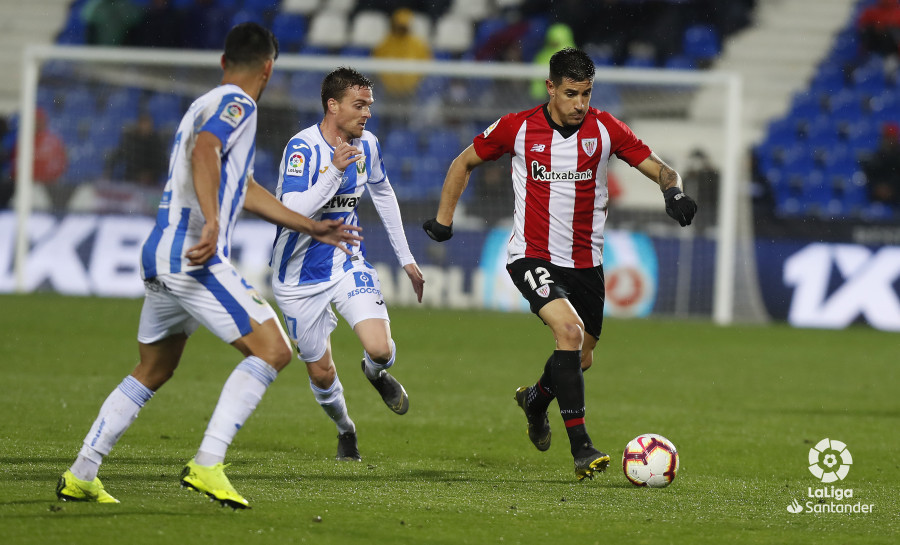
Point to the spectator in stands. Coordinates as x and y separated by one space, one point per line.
401 43
141 154
558 36
883 168
879 27
50 161
109 22
160 26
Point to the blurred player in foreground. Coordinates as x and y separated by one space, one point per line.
189 279
560 151
325 170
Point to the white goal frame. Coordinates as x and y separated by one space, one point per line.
727 233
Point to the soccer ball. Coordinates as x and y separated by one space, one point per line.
650 460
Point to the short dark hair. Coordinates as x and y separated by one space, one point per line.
336 84
571 63
248 44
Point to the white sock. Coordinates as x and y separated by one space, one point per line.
373 369
116 415
241 394
332 401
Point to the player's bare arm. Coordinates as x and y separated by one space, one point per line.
415 276
262 203
206 164
657 170
455 183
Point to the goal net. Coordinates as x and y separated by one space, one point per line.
112 106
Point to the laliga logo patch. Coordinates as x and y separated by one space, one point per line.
232 114
589 145
543 290
295 165
827 468
490 129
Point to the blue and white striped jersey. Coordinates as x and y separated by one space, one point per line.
230 114
305 185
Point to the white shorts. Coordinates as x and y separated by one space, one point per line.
307 309
216 297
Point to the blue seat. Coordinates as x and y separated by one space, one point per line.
80 101
639 61
806 105
165 109
290 30
261 5
401 142
701 42
680 62
443 144
829 78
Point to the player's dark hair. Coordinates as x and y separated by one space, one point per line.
249 44
571 63
336 84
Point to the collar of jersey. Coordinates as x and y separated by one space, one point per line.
564 130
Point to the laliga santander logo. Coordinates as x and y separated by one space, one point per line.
830 460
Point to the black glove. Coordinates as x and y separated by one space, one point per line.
437 231
679 206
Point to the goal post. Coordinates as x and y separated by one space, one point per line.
649 97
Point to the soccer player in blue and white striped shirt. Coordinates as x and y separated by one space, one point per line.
325 170
190 280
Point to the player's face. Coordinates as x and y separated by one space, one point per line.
569 101
354 110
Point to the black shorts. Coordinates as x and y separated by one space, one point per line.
540 282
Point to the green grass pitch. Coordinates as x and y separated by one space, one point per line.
743 405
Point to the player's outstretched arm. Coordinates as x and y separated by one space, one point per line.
440 228
265 205
679 206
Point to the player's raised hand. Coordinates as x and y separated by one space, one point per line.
415 276
679 206
336 233
345 154
199 253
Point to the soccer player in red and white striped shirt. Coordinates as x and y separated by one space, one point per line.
559 155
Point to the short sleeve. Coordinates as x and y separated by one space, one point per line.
233 110
298 168
625 144
497 139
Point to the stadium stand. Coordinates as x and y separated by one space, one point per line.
453 28
813 157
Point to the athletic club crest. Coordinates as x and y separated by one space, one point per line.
589 145
543 291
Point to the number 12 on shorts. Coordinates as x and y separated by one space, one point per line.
543 277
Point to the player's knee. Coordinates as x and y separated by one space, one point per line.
570 336
278 355
321 376
380 353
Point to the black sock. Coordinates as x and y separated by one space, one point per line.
569 386
542 393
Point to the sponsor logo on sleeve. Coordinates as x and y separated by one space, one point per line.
490 129
295 165
233 113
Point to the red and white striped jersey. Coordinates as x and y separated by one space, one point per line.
560 183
